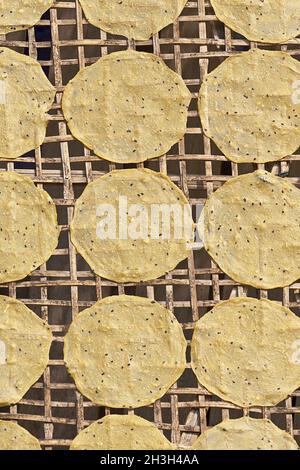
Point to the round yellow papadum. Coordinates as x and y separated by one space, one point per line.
28 226
14 437
135 19
247 351
25 342
267 21
245 434
248 110
122 232
125 351
121 432
25 97
128 107
252 230
21 14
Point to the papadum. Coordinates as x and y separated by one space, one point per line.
250 106
28 226
121 432
267 21
14 437
132 225
25 342
21 14
245 434
25 97
135 19
252 229
125 351
127 107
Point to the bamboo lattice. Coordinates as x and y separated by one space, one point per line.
53 410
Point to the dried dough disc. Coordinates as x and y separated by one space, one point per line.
247 351
136 19
21 14
138 256
121 432
28 226
245 434
25 97
24 349
14 437
125 351
268 21
252 230
128 107
248 110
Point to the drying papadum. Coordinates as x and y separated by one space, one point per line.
14 437
132 225
125 351
267 21
252 230
121 432
135 19
25 97
25 342
21 14
245 434
250 106
127 107
247 351
28 226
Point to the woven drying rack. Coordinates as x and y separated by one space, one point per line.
52 409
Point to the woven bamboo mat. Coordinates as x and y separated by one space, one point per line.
53 410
